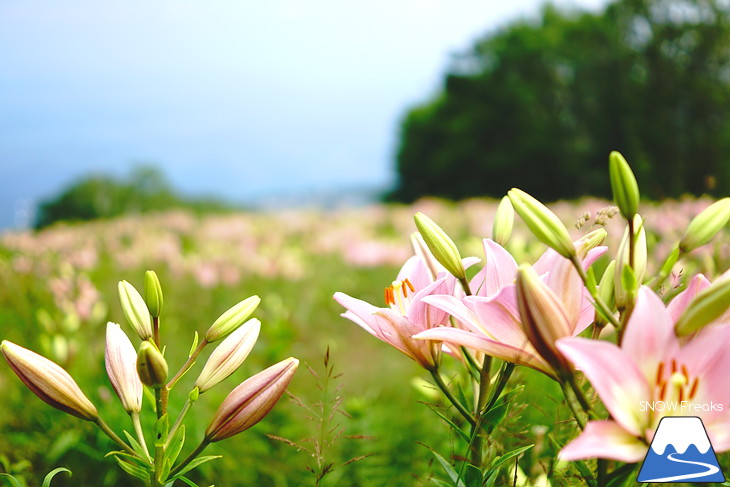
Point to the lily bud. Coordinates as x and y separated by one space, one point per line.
590 241
135 310
229 355
229 321
151 365
543 317
48 381
705 226
421 250
121 359
153 293
606 292
251 401
624 295
440 245
542 222
504 219
624 186
708 306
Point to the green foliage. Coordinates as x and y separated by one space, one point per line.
545 101
102 196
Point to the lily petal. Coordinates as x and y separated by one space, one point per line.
524 355
680 302
649 334
615 377
604 439
499 270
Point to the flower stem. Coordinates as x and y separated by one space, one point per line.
190 457
444 388
465 285
178 421
187 365
581 422
597 301
138 431
111 434
159 446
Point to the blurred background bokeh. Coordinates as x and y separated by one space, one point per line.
281 148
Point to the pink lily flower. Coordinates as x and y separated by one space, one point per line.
407 313
491 318
651 366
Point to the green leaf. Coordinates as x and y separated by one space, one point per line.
133 470
188 481
440 482
13 481
176 444
453 475
591 282
194 345
458 430
499 461
195 463
52 473
472 476
161 430
629 281
135 445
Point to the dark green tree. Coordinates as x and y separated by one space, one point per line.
540 104
100 196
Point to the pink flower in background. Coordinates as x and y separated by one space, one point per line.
407 313
491 317
651 365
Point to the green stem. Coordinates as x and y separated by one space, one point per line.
159 446
475 445
601 471
138 431
190 457
597 301
178 421
581 422
504 374
187 365
444 388
579 395
111 434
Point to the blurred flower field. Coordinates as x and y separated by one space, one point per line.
58 289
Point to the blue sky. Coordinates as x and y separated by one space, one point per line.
238 99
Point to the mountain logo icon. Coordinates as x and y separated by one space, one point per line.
680 452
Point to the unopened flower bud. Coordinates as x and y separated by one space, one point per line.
421 250
504 219
709 305
705 226
229 355
135 310
48 381
441 246
590 241
153 293
151 365
120 358
543 317
251 401
542 222
606 292
624 186
229 321
624 295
